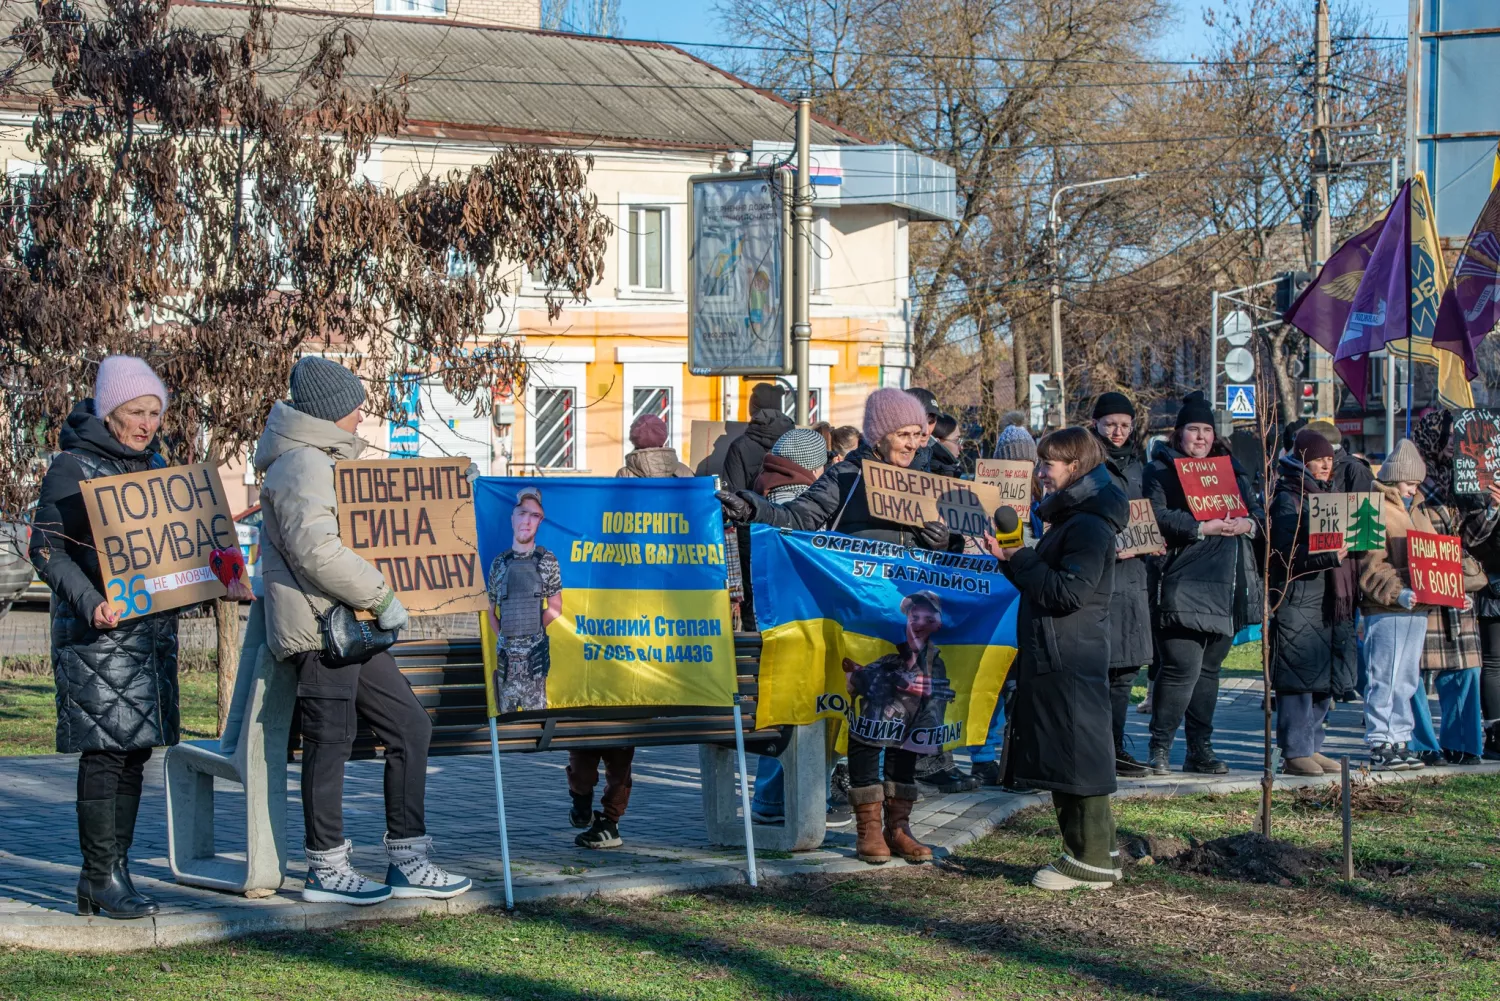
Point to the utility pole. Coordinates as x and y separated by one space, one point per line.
1321 361
802 213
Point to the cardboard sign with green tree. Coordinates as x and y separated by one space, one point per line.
1345 521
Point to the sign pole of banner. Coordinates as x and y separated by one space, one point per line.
1476 450
1437 569
1141 536
913 497
1210 488
1338 521
155 532
413 520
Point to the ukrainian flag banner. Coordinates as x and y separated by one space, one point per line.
831 607
604 594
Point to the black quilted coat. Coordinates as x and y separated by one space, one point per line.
116 688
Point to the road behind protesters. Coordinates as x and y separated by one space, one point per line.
1060 733
895 427
116 681
1209 590
307 571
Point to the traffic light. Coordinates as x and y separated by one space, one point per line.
1289 285
1309 399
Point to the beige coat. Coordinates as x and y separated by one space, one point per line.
1383 574
300 531
653 463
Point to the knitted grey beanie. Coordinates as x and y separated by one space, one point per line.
1404 464
804 446
1015 443
325 389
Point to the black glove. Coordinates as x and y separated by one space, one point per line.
736 508
933 535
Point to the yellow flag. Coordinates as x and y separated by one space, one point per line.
1429 279
1495 169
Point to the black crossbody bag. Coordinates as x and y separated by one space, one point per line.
347 639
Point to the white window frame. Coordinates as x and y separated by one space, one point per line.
412 8
558 367
651 367
23 168
820 379
672 284
821 253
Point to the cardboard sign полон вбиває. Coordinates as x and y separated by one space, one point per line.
1142 536
1436 563
1210 488
912 497
413 520
155 531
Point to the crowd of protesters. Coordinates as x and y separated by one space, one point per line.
1341 625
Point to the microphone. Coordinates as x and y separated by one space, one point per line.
1006 521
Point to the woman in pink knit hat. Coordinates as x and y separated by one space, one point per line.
895 427
116 680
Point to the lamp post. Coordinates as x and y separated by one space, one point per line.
1057 361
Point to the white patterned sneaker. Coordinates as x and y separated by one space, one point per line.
412 874
332 880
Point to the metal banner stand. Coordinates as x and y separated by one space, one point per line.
739 746
510 899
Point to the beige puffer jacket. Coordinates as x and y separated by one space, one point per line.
300 527
653 464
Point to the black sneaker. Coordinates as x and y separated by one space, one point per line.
1432 759
1161 761
1412 758
604 833
1387 758
582 813
1462 758
949 781
839 816
1201 759
1126 767
987 772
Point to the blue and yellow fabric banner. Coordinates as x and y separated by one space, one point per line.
604 594
854 628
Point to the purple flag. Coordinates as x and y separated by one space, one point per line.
1469 308
1323 307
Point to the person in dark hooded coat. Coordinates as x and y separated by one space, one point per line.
1313 656
1060 732
1129 608
1209 589
743 461
116 673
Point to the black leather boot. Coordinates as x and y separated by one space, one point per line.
126 808
102 888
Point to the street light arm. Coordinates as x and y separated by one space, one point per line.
1052 212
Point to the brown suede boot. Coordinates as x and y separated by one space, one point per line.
870 844
899 799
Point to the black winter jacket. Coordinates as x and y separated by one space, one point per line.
1351 474
116 688
835 503
1062 732
943 462
747 453
1210 584
1312 649
1129 608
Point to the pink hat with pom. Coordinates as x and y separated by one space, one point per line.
121 379
890 409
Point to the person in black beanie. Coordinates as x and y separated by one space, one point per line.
1209 590
1129 610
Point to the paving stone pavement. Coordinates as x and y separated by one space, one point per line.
665 842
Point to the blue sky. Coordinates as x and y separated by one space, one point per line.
694 21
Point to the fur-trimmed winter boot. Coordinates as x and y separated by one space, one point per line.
870 844
899 800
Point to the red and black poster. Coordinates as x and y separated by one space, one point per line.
1476 450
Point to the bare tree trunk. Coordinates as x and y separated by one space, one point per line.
1021 365
989 375
1286 395
227 618
1268 771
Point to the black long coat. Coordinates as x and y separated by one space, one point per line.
116 688
1210 584
1062 735
1311 646
1129 606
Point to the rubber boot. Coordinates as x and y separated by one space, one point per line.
126 808
899 800
101 888
869 844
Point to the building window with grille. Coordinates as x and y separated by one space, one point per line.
653 400
646 234
556 443
814 404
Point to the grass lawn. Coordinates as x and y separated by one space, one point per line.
1419 923
28 715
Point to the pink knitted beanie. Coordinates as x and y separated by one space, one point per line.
890 409
121 379
648 431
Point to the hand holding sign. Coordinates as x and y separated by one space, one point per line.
1435 563
1211 490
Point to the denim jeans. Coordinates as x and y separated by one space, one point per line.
990 750
1458 699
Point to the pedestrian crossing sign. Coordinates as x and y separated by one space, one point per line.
1240 401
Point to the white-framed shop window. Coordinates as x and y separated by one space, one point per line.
653 384
556 417
648 250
